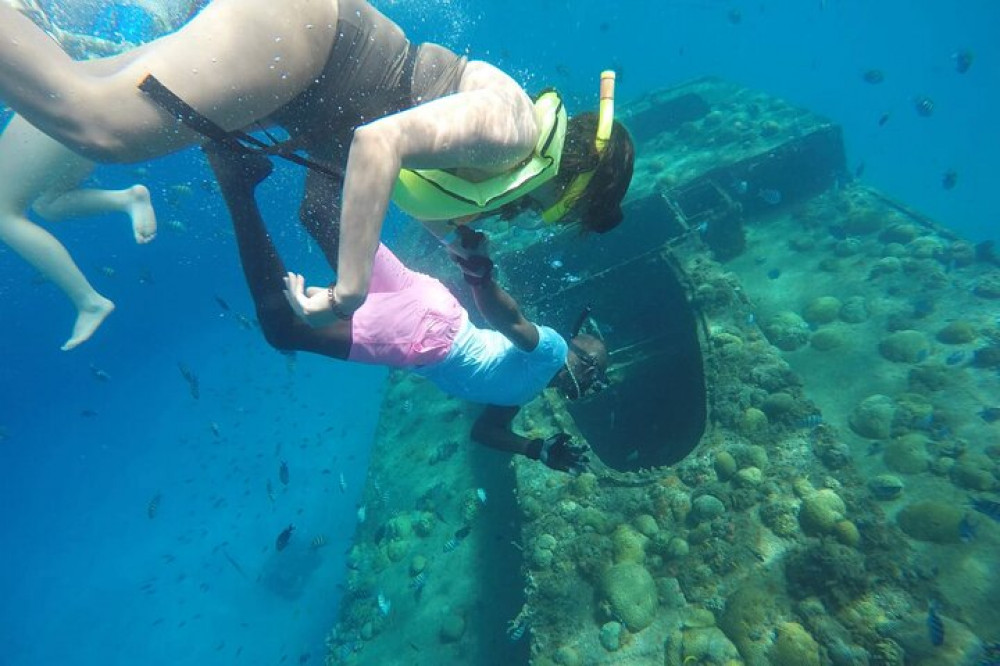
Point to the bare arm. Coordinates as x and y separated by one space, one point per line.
493 429
489 125
502 312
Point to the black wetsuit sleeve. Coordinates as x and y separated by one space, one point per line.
239 172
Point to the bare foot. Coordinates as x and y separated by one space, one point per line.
87 321
140 209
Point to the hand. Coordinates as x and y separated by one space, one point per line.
469 243
559 453
312 304
471 253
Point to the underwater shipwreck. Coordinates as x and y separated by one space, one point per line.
799 452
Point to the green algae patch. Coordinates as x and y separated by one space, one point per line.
905 347
932 521
794 647
631 591
907 454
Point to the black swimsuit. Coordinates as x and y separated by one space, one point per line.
373 71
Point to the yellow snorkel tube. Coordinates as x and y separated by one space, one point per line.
605 121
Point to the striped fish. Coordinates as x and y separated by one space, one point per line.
987 508
153 506
417 583
935 626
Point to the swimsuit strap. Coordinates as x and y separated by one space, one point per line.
236 139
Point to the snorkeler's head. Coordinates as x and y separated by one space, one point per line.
599 207
585 372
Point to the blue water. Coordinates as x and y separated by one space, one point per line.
86 577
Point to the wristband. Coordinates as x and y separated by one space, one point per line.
334 305
473 265
477 280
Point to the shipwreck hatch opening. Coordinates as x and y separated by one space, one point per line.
655 410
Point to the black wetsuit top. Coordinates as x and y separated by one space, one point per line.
373 71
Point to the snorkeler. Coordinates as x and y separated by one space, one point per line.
38 172
410 320
353 93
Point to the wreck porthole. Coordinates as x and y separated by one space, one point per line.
655 410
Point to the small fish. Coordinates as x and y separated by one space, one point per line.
966 529
456 540
283 473
176 226
384 605
98 374
222 303
418 581
811 421
773 274
949 179
362 514
990 414
318 542
109 271
874 76
990 655
859 170
284 537
769 196
153 506
924 106
955 358
270 491
963 60
245 322
987 507
481 495
214 427
233 562
735 16
883 119
342 482
516 630
88 413
191 379
935 626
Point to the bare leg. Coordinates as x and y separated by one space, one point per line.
133 201
32 163
237 61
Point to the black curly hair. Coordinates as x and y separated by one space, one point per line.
599 208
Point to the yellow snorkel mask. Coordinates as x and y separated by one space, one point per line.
605 121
